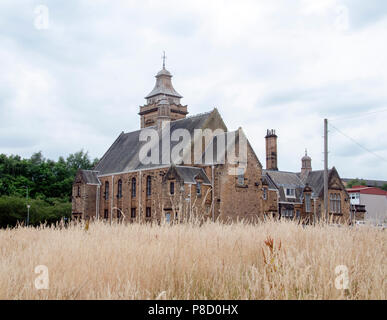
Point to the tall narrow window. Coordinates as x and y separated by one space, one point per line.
106 214
118 213
148 185
241 176
264 194
172 188
338 199
198 188
148 212
133 187
78 191
119 189
106 190
307 202
133 212
332 203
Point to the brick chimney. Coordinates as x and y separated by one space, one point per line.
271 150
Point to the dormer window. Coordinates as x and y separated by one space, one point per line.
290 192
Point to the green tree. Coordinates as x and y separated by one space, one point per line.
356 182
49 185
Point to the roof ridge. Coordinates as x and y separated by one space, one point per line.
193 116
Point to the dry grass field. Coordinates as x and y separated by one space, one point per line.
273 260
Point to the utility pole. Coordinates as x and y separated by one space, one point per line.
326 169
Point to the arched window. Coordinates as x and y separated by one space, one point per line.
148 185
106 190
119 189
133 187
172 188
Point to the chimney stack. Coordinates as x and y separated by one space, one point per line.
271 150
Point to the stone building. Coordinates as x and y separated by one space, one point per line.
301 194
208 177
125 185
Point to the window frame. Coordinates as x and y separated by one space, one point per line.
134 187
106 192
308 202
292 194
198 188
240 176
119 189
148 186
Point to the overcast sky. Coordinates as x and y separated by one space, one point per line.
77 79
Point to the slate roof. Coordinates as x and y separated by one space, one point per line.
283 180
124 153
90 177
315 180
270 183
227 140
187 174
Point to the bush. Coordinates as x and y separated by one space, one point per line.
13 210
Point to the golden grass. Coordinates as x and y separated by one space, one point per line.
272 260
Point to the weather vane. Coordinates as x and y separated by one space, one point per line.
164 57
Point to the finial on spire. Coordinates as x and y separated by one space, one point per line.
164 57
306 152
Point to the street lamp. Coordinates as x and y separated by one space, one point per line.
28 209
28 214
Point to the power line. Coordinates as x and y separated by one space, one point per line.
363 114
360 145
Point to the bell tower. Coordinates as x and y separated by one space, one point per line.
163 102
306 165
